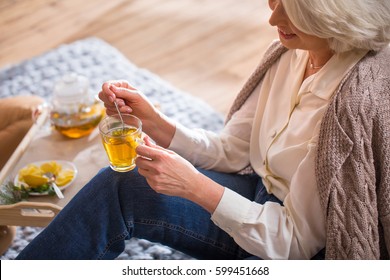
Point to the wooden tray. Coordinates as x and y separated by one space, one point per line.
42 143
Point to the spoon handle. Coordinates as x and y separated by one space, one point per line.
52 181
120 115
57 191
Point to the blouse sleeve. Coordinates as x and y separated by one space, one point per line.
227 151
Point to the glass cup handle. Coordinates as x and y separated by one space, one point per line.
140 141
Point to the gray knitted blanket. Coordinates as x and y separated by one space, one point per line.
100 62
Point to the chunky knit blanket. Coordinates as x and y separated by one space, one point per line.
100 62
353 159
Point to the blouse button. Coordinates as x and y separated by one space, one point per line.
274 134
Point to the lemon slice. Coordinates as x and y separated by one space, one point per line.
52 167
30 169
64 177
34 180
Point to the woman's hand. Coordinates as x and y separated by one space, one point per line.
128 98
168 173
131 100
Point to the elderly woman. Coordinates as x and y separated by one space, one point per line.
312 122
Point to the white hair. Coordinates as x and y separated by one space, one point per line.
346 24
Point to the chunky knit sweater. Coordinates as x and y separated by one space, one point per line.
353 156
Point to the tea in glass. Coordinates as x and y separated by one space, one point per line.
120 140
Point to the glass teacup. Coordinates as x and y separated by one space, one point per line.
120 140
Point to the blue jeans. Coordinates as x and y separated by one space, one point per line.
114 207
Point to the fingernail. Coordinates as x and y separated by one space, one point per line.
111 99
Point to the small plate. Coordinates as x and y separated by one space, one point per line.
65 165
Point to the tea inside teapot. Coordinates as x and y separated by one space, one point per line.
75 113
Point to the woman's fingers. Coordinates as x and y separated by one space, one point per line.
151 151
120 92
151 156
165 171
136 103
148 152
115 89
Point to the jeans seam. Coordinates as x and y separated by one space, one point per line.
119 237
257 198
190 233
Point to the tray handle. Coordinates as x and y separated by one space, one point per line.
28 213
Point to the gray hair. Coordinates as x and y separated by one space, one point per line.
346 24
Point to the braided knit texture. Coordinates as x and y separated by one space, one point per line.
353 162
353 157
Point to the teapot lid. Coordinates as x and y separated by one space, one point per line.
72 85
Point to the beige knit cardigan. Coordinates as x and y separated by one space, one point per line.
353 156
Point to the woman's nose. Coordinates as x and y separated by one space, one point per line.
277 14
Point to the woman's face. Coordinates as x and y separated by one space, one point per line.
289 35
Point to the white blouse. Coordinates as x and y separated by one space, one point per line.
276 131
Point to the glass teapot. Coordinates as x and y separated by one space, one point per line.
74 112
